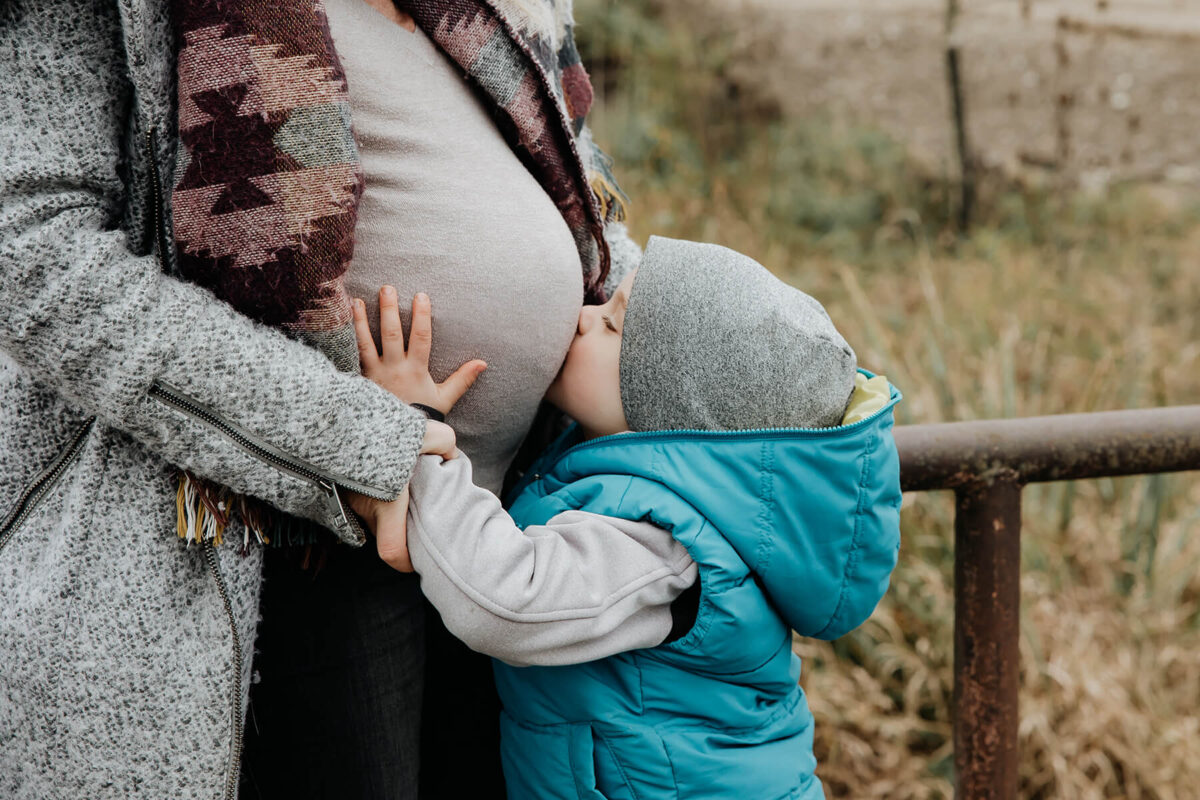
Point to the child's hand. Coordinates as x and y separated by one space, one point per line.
406 374
389 523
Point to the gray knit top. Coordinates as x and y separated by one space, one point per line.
449 210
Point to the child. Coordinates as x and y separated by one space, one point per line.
716 493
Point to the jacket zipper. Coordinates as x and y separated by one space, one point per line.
277 458
244 439
156 196
692 433
235 684
255 447
42 485
757 433
210 553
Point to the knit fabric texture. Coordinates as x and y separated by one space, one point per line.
714 341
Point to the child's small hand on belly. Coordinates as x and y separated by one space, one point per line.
405 373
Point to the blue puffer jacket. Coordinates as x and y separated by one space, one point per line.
792 529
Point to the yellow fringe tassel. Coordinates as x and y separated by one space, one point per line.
201 516
180 504
612 199
195 523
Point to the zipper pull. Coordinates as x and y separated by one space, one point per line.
344 518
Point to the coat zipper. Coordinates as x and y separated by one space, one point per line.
692 433
259 449
244 439
43 483
756 433
277 458
210 553
235 685
156 196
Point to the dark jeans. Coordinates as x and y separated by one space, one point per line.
343 676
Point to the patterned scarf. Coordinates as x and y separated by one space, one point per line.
268 176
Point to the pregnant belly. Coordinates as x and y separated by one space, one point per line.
448 209
505 286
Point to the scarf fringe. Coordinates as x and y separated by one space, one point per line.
204 510
612 200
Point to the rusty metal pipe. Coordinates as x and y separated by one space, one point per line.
1052 448
987 619
987 463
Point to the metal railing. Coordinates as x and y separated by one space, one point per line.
986 464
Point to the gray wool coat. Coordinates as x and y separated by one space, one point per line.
125 657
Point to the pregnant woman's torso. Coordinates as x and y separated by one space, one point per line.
449 210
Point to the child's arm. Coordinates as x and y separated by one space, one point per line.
579 588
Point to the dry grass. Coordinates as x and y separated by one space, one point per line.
1055 304
1109 680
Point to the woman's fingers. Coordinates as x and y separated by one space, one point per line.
453 388
391 533
365 507
391 335
420 338
367 353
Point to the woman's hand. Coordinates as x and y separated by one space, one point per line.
439 440
389 523
405 373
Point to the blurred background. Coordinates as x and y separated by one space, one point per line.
1031 249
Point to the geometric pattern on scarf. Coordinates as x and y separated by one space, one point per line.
268 178
267 184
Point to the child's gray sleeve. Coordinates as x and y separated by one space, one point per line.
581 587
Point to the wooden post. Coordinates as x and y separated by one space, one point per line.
966 201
